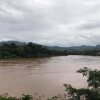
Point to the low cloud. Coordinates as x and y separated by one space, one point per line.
51 22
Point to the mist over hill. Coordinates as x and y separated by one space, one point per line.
19 43
80 48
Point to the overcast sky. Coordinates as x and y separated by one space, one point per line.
51 22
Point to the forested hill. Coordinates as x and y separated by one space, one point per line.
79 50
14 49
58 48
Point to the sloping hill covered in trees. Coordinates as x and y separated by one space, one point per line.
16 49
26 50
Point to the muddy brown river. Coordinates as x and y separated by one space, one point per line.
45 76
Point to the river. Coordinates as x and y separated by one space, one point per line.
45 76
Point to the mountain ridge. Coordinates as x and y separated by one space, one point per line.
80 48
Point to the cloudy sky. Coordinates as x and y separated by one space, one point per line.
51 22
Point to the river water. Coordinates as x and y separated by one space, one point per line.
45 76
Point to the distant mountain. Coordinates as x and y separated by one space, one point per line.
58 48
19 43
8 49
81 48
75 48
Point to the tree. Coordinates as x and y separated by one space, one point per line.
93 77
92 92
26 97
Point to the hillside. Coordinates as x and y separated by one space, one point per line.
42 50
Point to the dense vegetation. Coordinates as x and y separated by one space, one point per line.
23 97
91 52
15 49
79 50
29 50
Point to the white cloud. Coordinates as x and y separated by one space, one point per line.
51 22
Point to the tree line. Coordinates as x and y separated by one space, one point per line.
92 92
28 50
92 52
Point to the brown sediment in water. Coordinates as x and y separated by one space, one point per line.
45 76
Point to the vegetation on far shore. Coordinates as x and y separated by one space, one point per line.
29 50
15 49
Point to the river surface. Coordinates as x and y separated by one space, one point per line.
45 76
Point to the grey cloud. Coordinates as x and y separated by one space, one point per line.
89 25
50 22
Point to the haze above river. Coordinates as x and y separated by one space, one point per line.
43 75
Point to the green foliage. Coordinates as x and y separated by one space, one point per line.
28 50
26 97
93 77
54 98
8 98
93 90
